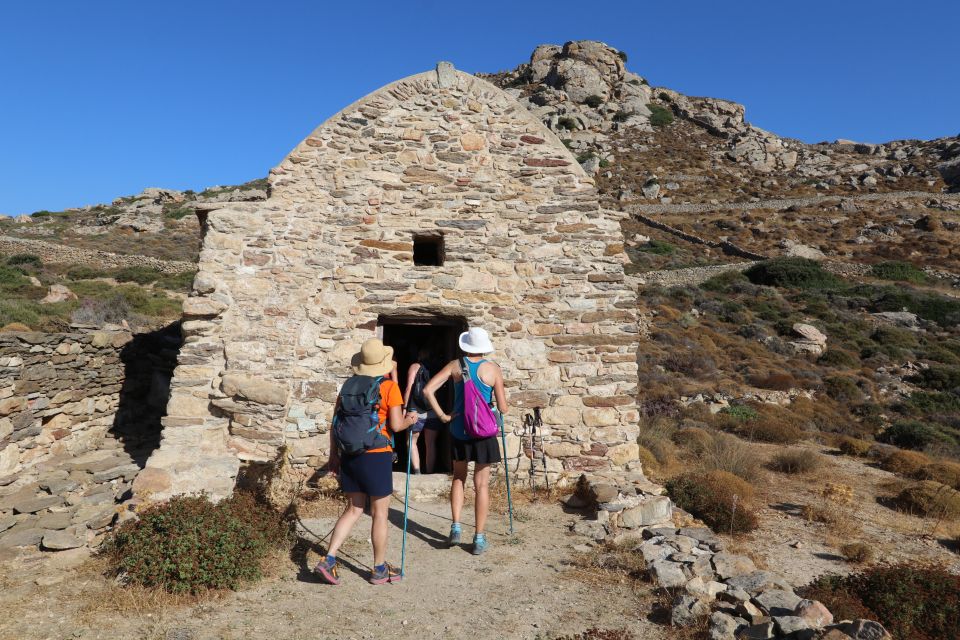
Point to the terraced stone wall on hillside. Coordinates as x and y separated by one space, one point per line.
289 288
79 416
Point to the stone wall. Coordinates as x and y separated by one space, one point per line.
79 415
290 287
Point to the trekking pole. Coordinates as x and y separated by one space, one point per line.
506 467
406 501
538 422
528 431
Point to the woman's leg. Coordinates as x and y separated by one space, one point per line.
430 449
414 452
380 509
347 519
481 486
456 489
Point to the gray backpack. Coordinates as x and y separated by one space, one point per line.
356 424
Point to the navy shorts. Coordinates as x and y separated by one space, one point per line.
369 473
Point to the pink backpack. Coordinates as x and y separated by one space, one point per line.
479 421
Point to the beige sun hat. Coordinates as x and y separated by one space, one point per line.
374 359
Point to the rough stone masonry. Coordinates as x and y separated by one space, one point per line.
289 287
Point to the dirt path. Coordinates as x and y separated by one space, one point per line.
522 588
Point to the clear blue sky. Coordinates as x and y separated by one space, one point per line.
103 98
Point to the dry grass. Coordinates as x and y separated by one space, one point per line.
905 463
728 453
835 507
851 446
610 564
796 461
858 552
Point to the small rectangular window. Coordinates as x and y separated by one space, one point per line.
428 250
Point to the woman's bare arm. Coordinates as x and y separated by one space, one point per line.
435 383
500 393
411 374
399 421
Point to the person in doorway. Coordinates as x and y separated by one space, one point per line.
363 457
418 375
483 452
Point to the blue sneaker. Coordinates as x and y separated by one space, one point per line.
385 574
454 538
327 570
480 544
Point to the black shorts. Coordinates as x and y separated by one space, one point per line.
369 473
481 451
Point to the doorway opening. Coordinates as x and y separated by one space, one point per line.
409 336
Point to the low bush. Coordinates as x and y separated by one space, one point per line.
83 272
839 358
693 439
725 282
190 545
930 499
842 389
938 378
722 500
97 312
774 381
140 275
740 412
693 363
924 403
906 463
182 281
851 446
622 116
796 461
912 602
23 312
908 434
659 116
929 306
730 454
944 471
648 460
593 101
567 123
12 279
657 247
792 273
858 552
900 271
25 259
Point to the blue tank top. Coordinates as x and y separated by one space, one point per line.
457 428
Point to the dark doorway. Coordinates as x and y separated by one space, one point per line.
439 334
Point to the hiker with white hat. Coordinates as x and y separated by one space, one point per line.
369 410
474 425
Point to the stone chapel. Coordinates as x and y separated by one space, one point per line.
434 203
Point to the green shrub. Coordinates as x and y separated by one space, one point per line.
622 55
722 500
178 213
842 389
659 116
11 279
909 434
796 461
925 403
930 499
929 306
182 281
657 247
83 272
911 601
622 116
900 271
593 101
938 378
584 157
25 259
724 282
888 336
140 275
740 412
793 273
17 311
190 545
839 358
567 123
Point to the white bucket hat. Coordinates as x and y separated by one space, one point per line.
476 340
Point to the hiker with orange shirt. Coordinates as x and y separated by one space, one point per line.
369 409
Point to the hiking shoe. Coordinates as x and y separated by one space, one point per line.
454 538
384 574
480 544
327 570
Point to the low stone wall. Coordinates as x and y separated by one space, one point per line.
694 565
52 253
79 415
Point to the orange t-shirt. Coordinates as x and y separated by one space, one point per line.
390 396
